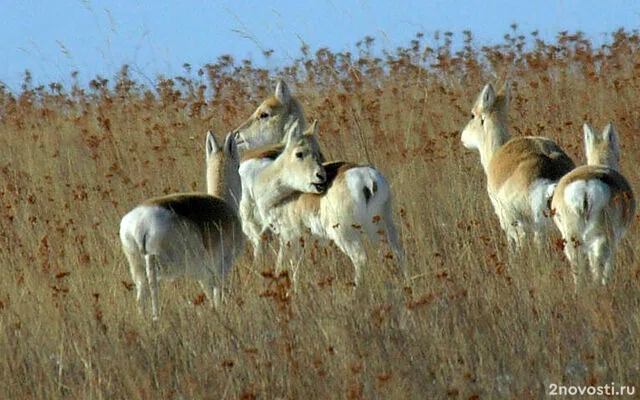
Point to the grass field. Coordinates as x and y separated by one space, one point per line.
473 321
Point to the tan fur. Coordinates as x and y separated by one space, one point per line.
269 132
271 152
271 120
272 103
520 172
342 217
622 197
212 216
602 149
355 201
301 157
498 114
593 206
526 159
310 202
187 234
216 173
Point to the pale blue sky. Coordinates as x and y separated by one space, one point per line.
53 38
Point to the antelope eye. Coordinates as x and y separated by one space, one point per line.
299 155
264 115
473 116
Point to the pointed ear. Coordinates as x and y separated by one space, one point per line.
230 146
590 137
506 92
313 129
293 134
487 98
211 144
610 136
282 92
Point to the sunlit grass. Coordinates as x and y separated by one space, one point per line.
471 321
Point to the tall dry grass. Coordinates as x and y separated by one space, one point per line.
473 321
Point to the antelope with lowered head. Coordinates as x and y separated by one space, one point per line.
593 206
521 172
188 234
350 202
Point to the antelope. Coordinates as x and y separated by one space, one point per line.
187 234
271 120
251 164
521 172
351 201
593 206
261 138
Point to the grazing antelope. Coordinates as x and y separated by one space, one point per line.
593 206
261 137
188 234
521 172
340 204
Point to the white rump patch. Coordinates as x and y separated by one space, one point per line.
541 194
366 178
587 197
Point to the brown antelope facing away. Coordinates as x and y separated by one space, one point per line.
593 206
261 137
521 172
342 203
195 235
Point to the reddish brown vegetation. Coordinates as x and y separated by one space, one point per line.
472 322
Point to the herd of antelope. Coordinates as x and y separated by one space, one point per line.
270 179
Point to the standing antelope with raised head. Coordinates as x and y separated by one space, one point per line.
262 137
188 234
593 206
271 120
521 172
351 202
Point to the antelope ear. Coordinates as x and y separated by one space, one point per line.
230 146
610 136
293 134
282 92
487 98
506 93
590 138
211 144
313 129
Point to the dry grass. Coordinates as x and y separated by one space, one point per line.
472 322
